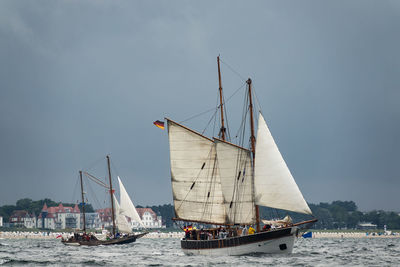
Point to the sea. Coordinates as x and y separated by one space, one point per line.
166 252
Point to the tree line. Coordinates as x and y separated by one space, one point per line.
341 215
335 215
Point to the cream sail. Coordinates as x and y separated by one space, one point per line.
273 183
195 179
236 182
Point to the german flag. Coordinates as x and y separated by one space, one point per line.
188 228
159 124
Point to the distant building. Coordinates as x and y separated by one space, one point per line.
1 221
105 217
147 215
92 220
149 218
60 217
367 226
22 219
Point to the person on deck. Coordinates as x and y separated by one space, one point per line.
251 230
194 234
187 233
267 227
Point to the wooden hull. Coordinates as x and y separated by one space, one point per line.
115 241
274 241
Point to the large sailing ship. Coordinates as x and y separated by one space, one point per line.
119 213
220 185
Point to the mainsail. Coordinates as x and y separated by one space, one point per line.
126 206
235 168
273 183
195 178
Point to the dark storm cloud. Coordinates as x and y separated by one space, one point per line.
80 79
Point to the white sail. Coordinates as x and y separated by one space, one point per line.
127 207
195 179
120 219
236 181
273 183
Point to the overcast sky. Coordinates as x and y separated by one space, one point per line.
82 79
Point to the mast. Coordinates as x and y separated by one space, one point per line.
222 130
83 203
253 146
111 195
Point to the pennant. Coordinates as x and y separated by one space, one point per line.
159 124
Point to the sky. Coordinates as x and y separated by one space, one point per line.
83 79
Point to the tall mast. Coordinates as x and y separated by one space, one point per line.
83 203
221 102
111 195
253 146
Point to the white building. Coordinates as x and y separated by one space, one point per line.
22 219
1 221
147 215
92 220
59 217
105 217
149 218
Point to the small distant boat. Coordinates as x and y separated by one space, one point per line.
307 235
119 212
221 184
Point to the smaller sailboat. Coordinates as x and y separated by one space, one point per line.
119 211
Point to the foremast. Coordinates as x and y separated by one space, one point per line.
253 147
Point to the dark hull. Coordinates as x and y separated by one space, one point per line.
232 242
115 241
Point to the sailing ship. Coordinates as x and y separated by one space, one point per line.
221 185
119 213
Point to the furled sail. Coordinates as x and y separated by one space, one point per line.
126 206
120 219
235 168
195 179
273 183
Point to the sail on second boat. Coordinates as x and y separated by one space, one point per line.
125 208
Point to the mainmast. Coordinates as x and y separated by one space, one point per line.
111 195
222 130
83 203
253 146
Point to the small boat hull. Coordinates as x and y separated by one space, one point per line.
115 241
279 241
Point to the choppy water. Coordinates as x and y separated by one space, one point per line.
166 252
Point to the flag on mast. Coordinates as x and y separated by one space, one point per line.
159 124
